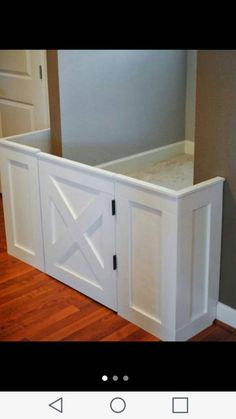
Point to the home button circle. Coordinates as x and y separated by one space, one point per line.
118 405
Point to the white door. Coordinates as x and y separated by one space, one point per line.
79 229
23 91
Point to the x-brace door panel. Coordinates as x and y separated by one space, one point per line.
79 230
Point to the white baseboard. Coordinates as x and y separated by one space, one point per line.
189 147
140 160
226 314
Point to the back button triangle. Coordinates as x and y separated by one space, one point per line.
57 405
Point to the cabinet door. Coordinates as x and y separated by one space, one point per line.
78 227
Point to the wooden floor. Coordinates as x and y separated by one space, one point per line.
36 307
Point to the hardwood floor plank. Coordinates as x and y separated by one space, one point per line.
38 326
98 328
121 333
64 331
141 335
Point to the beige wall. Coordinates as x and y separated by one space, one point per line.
215 148
54 102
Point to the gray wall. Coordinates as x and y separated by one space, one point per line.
115 103
215 148
191 95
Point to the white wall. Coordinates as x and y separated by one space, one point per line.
115 103
191 95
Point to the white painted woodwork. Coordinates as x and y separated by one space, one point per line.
199 247
23 94
167 242
189 147
39 139
145 227
21 202
79 229
170 245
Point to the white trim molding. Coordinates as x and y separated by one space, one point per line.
140 160
189 147
226 314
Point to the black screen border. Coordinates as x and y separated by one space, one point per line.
150 366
